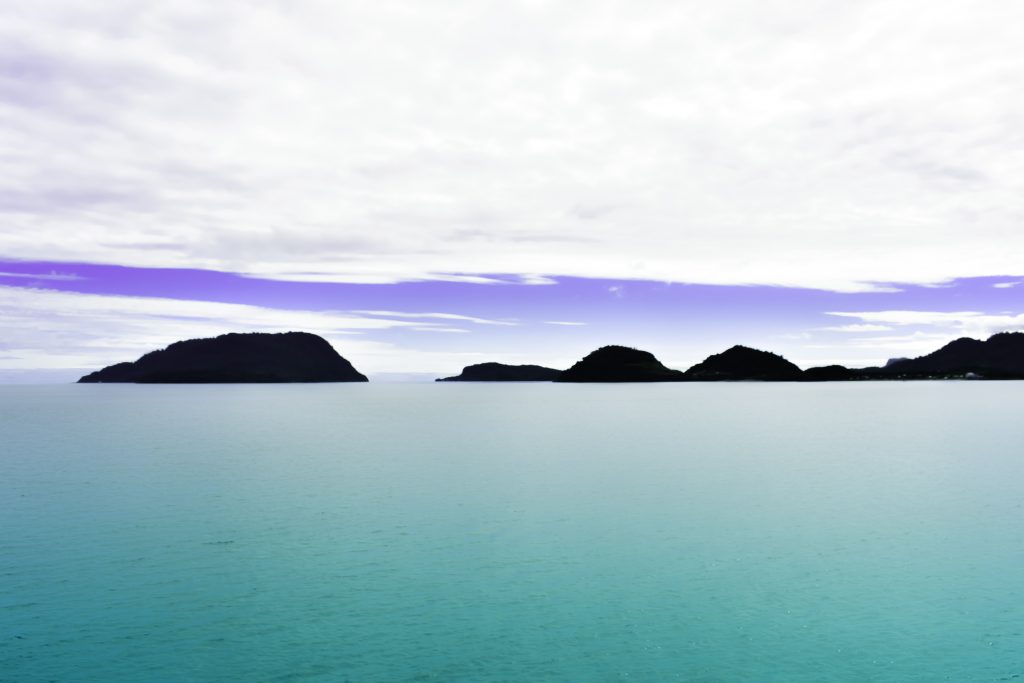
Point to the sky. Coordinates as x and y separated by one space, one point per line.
432 184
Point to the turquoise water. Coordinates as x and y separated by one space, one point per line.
474 532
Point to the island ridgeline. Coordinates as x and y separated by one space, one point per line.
249 358
500 372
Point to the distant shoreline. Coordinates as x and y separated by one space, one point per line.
302 357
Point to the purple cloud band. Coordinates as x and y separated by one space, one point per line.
570 299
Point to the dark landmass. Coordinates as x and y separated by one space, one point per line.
305 357
620 364
744 363
499 372
999 357
829 373
250 358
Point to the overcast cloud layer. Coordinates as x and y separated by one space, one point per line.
815 144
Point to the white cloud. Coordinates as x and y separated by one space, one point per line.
566 323
1006 285
534 279
912 344
47 330
911 317
966 323
811 143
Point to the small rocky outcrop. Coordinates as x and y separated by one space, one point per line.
744 363
500 372
620 364
253 357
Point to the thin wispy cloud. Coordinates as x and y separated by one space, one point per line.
51 276
856 328
912 317
820 144
960 323
440 329
438 316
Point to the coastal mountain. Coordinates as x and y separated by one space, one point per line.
620 364
253 357
744 363
1002 355
499 372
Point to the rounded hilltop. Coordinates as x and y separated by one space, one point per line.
245 358
620 364
744 363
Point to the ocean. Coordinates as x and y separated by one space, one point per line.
512 532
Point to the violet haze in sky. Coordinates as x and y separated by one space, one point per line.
68 317
434 184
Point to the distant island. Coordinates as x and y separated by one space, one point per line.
744 363
1000 357
499 372
250 358
305 357
620 364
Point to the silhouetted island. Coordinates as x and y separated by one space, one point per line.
499 372
744 363
304 357
620 364
253 357
1001 356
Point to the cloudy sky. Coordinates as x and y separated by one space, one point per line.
430 184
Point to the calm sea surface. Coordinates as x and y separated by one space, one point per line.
503 532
